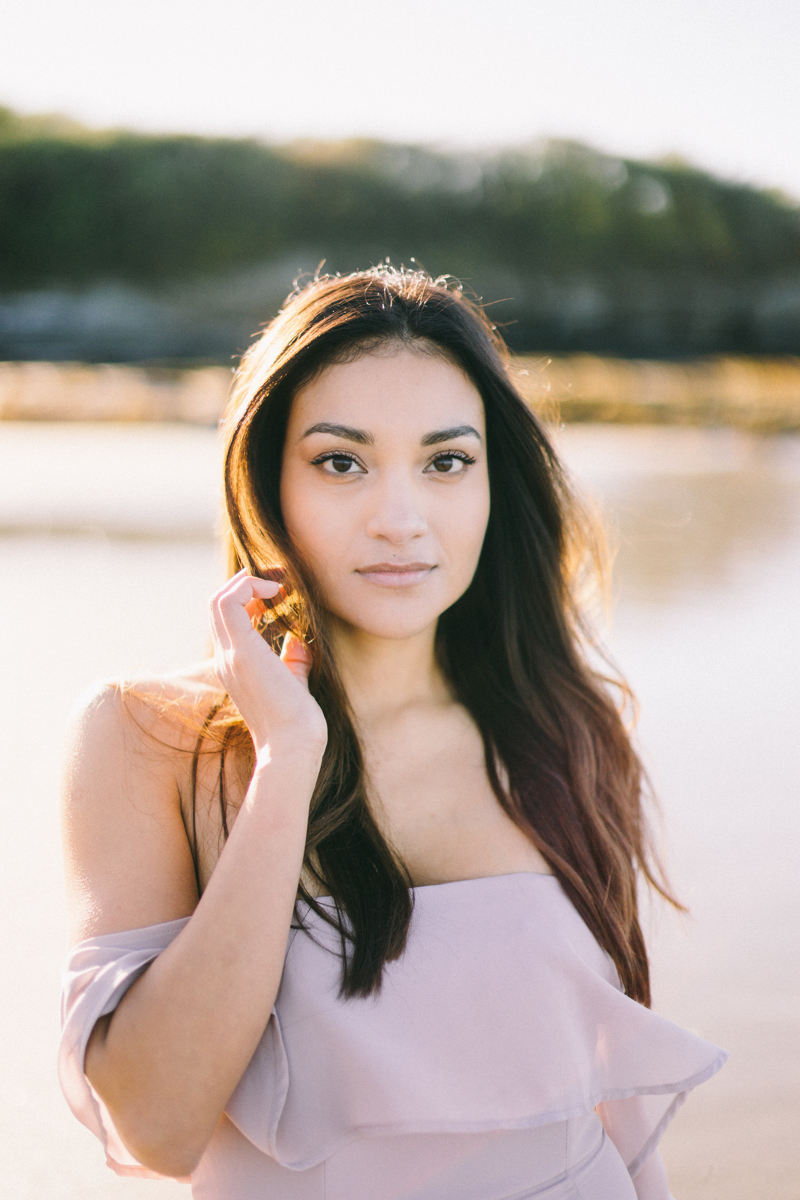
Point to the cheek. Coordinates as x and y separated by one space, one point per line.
316 528
465 528
297 510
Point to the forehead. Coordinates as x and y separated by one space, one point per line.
402 391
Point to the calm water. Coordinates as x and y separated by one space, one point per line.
107 557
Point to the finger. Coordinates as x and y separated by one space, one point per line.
245 584
297 657
249 585
231 604
239 590
218 632
258 608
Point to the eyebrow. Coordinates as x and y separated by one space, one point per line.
342 431
363 438
447 435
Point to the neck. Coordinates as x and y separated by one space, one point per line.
382 675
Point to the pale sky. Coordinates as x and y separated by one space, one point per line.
716 81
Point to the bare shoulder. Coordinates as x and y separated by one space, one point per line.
127 755
143 724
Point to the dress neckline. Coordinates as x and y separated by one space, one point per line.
421 887
449 883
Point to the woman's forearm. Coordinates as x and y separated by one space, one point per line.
167 1060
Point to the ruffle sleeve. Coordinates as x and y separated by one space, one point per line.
99 972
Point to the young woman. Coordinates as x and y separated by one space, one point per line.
354 907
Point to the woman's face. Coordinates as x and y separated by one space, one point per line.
385 489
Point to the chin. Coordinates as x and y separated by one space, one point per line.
388 621
391 630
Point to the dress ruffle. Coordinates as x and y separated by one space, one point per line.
98 973
503 1013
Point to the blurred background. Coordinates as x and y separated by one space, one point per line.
620 184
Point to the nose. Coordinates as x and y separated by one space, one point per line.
396 515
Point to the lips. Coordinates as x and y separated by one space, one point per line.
396 575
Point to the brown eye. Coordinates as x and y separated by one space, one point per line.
338 464
450 464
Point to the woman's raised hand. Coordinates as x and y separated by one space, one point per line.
270 693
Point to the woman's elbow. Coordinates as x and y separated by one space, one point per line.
159 1141
168 1156
157 1131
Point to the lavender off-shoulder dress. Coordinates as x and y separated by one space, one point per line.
499 1061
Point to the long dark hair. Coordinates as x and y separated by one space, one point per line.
512 648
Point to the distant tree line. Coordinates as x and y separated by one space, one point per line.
574 249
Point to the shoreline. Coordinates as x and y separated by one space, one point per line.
758 394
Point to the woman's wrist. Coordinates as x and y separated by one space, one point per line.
292 745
